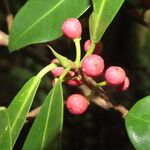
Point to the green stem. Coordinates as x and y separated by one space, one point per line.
47 69
78 51
104 83
65 73
90 51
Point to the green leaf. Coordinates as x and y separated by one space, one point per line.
138 124
40 21
46 130
63 60
5 136
102 16
19 107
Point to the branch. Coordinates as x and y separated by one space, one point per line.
98 100
3 38
95 94
121 109
34 112
9 20
95 99
9 17
101 99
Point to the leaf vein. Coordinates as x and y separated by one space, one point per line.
46 123
138 118
36 22
99 14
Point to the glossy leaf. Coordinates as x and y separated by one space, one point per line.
40 21
20 105
102 16
5 136
138 124
46 130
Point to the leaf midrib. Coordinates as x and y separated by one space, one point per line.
10 137
98 16
138 118
16 118
48 114
62 109
37 21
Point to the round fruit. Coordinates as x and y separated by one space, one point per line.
93 65
115 75
76 104
125 85
72 28
75 81
98 47
57 71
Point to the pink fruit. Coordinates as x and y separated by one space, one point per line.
98 47
125 85
115 75
93 65
75 81
76 104
72 28
57 71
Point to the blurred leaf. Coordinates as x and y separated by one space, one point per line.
102 16
138 124
46 130
23 76
20 105
40 21
5 136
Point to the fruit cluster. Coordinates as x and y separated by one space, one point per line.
91 65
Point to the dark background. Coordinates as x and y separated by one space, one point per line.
126 43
